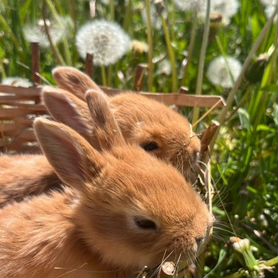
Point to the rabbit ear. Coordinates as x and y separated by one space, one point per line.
74 81
106 128
70 110
74 160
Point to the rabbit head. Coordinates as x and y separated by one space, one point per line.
133 208
148 123
159 131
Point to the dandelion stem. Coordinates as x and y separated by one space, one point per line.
67 51
272 262
2 70
52 8
73 14
109 75
200 76
237 274
112 9
65 42
128 16
190 48
103 76
150 45
34 9
8 31
171 53
54 49
240 78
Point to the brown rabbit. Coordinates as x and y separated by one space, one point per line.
152 125
123 209
24 175
156 128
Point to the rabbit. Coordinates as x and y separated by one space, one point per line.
24 175
148 123
155 127
122 208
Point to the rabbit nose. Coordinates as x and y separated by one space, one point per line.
197 156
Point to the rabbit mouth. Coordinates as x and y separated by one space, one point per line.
170 264
176 256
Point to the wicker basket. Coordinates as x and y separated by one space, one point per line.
20 106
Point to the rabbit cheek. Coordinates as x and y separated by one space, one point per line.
116 243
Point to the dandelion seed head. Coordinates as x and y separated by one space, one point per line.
223 71
164 67
269 2
270 6
190 5
58 29
105 40
155 18
226 9
17 82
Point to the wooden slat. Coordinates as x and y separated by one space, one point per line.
20 146
9 97
26 135
17 104
23 121
25 148
182 100
15 101
13 132
20 91
13 113
25 106
6 128
188 100
6 114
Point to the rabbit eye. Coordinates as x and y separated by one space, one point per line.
150 146
144 223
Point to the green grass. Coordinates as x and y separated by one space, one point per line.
244 160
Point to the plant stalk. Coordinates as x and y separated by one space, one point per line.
150 45
171 53
200 76
240 78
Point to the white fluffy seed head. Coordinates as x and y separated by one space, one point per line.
226 9
58 29
155 18
164 67
223 71
269 2
105 40
270 6
190 5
